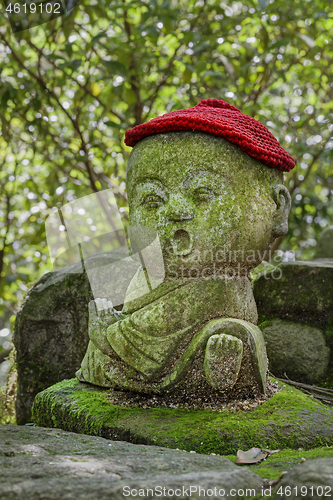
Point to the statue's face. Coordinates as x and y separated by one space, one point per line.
209 201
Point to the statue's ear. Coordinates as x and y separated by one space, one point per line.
282 199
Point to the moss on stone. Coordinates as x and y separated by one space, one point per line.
172 167
274 465
290 419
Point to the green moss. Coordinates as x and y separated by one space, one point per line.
265 322
290 419
274 465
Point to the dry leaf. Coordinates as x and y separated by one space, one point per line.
268 483
252 456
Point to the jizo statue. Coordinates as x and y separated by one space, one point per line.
209 180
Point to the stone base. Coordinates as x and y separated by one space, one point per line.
289 419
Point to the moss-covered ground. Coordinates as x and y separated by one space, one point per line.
290 419
276 464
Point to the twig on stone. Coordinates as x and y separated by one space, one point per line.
309 389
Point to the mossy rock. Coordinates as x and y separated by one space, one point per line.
51 330
300 291
289 419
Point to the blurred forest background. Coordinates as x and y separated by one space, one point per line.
70 88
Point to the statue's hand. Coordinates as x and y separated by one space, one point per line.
101 315
100 308
223 360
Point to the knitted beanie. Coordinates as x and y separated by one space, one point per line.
219 118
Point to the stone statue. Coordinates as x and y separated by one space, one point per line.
217 208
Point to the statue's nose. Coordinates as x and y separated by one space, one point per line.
179 209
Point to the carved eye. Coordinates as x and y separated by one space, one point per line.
152 201
203 194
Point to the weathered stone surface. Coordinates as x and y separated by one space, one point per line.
300 291
296 349
311 480
324 248
39 463
289 419
51 331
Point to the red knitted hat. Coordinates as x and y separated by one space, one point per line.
219 118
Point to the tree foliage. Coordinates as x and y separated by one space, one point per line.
70 89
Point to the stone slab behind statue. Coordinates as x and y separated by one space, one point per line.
51 331
295 307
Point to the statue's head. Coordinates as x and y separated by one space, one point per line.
212 204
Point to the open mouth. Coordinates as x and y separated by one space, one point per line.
181 242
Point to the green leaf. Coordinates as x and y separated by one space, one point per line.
69 49
129 96
4 98
113 125
98 37
116 67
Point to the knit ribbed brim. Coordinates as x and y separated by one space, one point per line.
219 118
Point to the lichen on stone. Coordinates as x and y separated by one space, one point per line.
216 211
